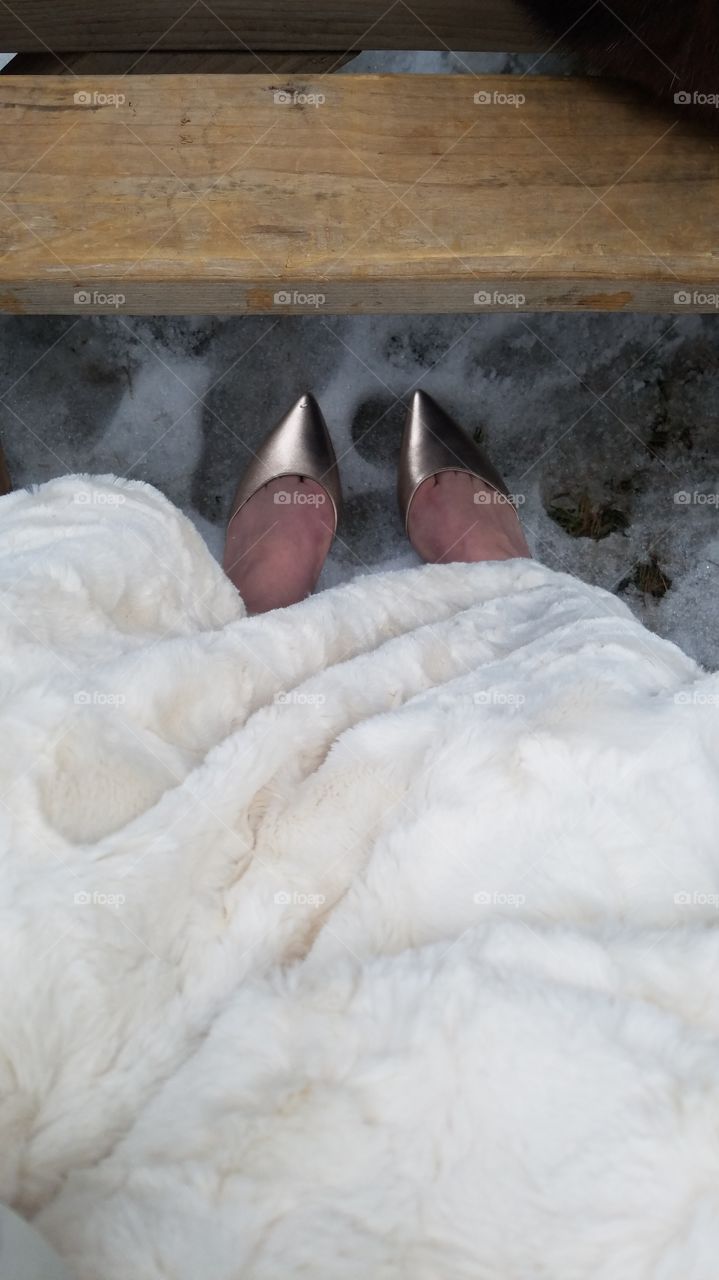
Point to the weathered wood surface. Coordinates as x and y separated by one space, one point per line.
120 62
42 25
233 194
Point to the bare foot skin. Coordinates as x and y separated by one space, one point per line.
456 518
278 542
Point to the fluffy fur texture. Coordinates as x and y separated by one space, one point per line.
666 46
376 937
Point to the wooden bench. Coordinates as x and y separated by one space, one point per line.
297 191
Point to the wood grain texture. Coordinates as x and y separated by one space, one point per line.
397 193
123 62
55 25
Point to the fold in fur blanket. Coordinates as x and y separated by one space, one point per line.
372 938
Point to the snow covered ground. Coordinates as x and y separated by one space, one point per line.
606 425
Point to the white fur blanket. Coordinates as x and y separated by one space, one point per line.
373 939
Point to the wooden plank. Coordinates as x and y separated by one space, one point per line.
228 194
174 62
43 25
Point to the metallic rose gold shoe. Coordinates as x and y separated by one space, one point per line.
299 445
432 442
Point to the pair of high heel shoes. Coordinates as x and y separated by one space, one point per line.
300 445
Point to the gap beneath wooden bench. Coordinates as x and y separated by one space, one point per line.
287 194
